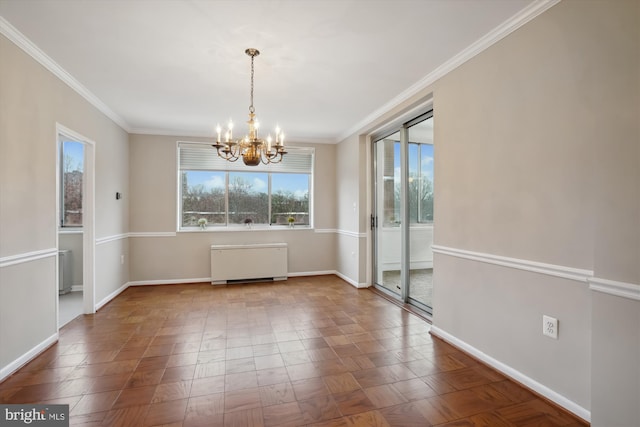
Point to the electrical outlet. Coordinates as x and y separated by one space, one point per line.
122 259
550 327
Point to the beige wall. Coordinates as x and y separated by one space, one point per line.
615 320
537 160
185 255
351 195
32 101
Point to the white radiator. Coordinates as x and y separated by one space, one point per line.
238 263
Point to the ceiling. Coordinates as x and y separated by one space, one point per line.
326 67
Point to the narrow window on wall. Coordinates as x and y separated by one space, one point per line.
232 194
72 170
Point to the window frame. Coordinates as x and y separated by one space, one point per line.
63 184
227 226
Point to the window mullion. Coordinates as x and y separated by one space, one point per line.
226 199
269 199
420 185
61 172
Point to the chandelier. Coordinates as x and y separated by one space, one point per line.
251 148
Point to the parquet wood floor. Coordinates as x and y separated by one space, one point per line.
311 351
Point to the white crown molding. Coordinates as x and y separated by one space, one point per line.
613 287
501 31
27 257
20 40
541 389
571 273
186 135
107 239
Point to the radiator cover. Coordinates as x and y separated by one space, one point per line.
248 262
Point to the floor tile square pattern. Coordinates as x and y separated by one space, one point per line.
309 351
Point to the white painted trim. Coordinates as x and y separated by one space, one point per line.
34 51
325 230
89 216
351 281
27 257
208 279
613 287
311 273
111 296
170 281
153 234
68 231
250 246
27 357
103 240
514 374
351 234
76 288
571 273
341 232
292 140
501 31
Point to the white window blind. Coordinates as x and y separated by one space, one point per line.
202 156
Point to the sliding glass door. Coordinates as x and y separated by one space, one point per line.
403 212
420 205
386 221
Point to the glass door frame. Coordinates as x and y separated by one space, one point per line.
405 226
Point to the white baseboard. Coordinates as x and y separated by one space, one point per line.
27 357
311 273
327 272
518 376
170 281
351 281
111 296
76 288
208 279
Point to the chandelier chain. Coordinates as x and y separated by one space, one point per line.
251 107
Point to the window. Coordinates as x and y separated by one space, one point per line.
71 171
420 184
231 194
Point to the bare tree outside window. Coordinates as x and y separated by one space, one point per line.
72 154
216 197
248 198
